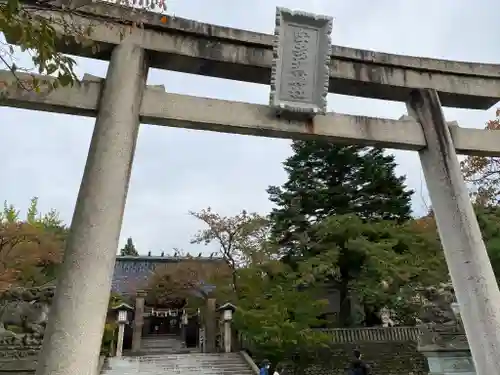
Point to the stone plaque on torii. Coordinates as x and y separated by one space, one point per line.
300 70
192 47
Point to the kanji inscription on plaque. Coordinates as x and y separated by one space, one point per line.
301 57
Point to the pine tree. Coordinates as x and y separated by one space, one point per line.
129 248
326 179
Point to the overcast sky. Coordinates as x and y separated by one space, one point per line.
178 170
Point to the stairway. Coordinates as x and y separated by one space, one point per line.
179 364
162 344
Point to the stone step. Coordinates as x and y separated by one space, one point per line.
179 364
161 344
147 348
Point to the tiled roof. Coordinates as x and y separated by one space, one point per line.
132 272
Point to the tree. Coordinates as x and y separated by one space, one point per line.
274 314
189 280
241 239
26 25
488 218
129 248
483 173
381 263
30 249
326 180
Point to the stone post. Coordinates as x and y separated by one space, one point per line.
227 336
119 341
446 350
122 320
210 325
76 323
184 324
138 321
470 268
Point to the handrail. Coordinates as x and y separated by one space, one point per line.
372 334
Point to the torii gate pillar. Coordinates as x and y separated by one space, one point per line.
468 262
76 323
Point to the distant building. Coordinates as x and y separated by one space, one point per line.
134 273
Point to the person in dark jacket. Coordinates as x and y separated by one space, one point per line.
358 366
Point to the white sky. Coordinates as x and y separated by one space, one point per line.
177 170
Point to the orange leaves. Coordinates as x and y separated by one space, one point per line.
186 277
483 173
24 248
424 224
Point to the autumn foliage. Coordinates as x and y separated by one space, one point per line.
483 173
188 277
29 248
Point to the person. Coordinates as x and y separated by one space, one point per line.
264 367
358 366
277 370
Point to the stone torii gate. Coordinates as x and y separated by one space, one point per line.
123 100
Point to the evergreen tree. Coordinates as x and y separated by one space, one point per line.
129 248
325 179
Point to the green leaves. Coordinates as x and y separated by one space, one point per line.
376 261
273 310
129 248
31 248
35 33
276 314
329 180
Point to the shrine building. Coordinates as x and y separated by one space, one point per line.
131 279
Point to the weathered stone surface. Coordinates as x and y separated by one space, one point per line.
165 109
300 67
24 314
193 47
437 302
180 364
442 337
446 349
384 358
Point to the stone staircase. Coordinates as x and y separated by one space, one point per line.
179 364
162 344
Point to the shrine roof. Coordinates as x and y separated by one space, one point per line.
132 272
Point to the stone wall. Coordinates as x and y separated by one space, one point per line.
389 351
18 359
385 358
23 317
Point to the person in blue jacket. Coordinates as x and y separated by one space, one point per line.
264 367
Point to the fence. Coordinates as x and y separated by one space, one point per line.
377 334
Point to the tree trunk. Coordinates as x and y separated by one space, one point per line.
345 304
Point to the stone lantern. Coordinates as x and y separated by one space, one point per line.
184 321
227 310
122 319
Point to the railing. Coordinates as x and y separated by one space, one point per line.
359 335
377 334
